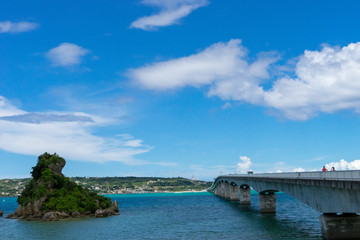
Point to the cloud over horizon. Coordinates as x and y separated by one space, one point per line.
66 54
322 81
69 134
171 11
17 27
344 165
243 166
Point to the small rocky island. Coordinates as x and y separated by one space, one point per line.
50 196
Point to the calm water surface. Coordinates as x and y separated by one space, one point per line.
174 216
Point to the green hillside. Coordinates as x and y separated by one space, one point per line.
115 185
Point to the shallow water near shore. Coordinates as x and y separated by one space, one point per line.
174 216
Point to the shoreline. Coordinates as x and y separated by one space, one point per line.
188 191
202 191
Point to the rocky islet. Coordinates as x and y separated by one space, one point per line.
51 196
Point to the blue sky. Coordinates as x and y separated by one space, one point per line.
179 87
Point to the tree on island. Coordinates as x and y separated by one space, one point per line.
51 196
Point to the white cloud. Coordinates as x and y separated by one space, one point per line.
299 169
326 81
133 143
170 12
226 106
17 27
344 165
67 134
323 81
7 109
244 165
278 167
47 117
66 54
223 66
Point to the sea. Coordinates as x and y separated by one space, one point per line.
174 216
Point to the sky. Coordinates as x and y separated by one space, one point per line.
189 88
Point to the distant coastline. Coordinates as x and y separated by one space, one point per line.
117 185
162 192
191 191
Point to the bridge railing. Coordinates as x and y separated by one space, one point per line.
353 175
342 175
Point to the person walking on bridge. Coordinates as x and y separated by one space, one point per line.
324 169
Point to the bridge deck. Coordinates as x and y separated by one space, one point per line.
334 193
352 175
334 179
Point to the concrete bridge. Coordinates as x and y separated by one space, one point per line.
336 194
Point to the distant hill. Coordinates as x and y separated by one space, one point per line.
115 185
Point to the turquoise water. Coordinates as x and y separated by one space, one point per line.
174 216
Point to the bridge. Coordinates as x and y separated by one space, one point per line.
336 194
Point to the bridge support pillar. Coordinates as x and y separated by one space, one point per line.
222 190
267 202
234 193
216 191
245 195
344 226
227 190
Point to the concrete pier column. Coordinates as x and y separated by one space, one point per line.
234 193
216 191
267 202
344 226
222 190
227 190
245 195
